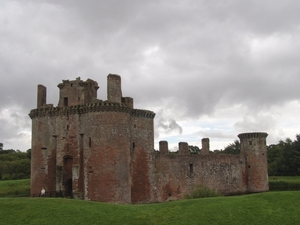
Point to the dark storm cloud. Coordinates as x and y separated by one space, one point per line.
192 57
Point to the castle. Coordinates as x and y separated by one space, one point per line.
104 151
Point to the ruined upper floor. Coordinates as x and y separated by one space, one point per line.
79 92
78 97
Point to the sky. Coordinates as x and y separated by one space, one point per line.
208 69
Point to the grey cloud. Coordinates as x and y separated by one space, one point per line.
256 122
206 53
215 134
169 125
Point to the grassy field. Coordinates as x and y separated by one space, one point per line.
10 188
263 208
14 187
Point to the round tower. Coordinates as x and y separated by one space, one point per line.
253 147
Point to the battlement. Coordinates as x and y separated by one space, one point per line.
99 106
243 136
183 147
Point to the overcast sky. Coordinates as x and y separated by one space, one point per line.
206 68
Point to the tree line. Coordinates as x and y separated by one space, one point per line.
14 164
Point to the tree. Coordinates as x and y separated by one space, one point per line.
284 158
1 146
14 164
233 148
194 149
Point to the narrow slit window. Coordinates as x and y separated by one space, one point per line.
90 142
191 168
250 142
65 101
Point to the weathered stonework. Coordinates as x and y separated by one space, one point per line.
104 151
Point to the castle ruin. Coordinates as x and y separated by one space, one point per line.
104 151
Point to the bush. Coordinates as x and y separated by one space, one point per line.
284 186
200 191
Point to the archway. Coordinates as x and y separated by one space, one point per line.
67 180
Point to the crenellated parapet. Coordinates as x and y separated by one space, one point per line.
142 113
89 108
183 147
252 135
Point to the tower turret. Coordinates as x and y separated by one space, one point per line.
253 146
77 92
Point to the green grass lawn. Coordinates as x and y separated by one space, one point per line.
14 187
262 208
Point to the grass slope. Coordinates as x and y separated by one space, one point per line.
263 208
14 187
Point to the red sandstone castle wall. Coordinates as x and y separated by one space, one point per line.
142 145
178 175
43 156
254 149
106 154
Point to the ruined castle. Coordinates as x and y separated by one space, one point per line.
104 151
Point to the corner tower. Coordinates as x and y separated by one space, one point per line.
89 148
254 149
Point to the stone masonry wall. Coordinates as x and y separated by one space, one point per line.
107 156
177 174
142 145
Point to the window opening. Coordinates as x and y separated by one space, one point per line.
191 168
65 101
90 142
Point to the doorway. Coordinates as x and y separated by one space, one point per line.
68 176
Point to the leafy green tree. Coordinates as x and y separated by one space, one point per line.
194 149
233 148
14 164
284 158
